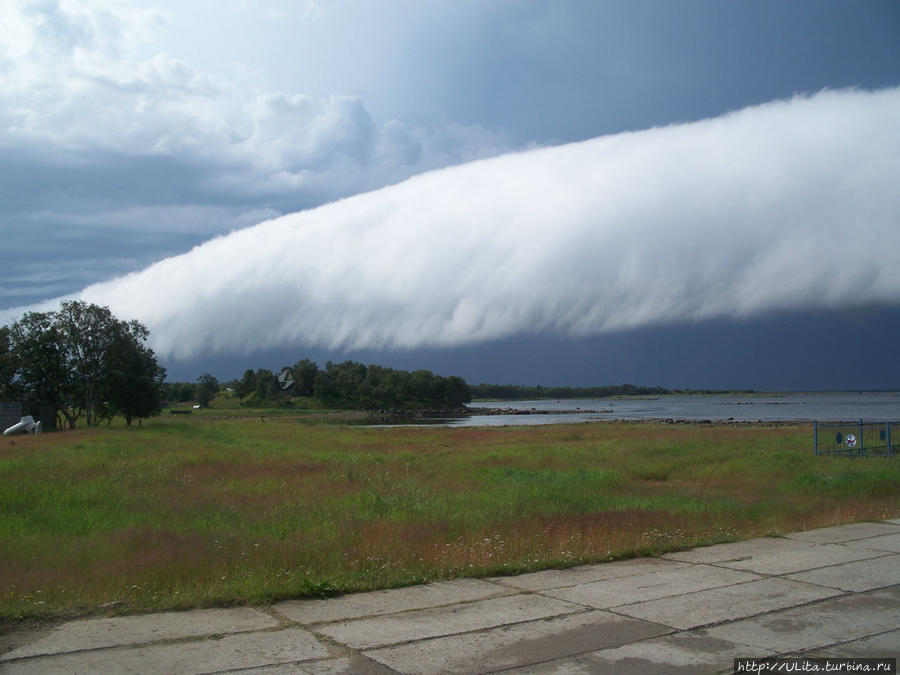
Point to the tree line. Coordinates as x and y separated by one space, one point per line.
91 366
355 385
525 392
82 360
202 391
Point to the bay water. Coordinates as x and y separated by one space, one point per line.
771 407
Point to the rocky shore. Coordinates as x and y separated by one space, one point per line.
400 414
420 413
463 411
531 411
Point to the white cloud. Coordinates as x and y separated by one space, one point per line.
791 204
75 78
107 138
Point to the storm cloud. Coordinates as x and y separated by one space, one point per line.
113 151
788 205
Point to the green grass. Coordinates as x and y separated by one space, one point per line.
195 511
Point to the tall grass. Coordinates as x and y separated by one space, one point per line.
188 512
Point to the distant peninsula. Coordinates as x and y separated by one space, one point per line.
517 392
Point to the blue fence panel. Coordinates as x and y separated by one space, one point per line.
855 439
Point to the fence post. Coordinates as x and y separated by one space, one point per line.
860 450
889 450
816 436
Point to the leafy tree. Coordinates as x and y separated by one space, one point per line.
347 377
421 385
88 335
180 391
457 392
261 384
304 373
325 386
265 383
245 386
134 381
8 386
86 362
187 391
40 363
397 387
207 388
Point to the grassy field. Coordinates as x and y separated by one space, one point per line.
192 511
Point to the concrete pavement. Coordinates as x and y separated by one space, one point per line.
833 592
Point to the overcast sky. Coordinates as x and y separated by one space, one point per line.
754 203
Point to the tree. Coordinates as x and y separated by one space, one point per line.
133 382
86 362
305 372
347 377
325 387
265 383
244 386
8 386
186 391
422 385
458 391
207 388
87 335
40 363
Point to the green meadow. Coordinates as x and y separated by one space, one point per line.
200 511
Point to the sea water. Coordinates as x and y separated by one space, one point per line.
801 407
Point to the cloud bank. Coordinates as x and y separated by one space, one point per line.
787 205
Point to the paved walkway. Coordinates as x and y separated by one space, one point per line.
829 592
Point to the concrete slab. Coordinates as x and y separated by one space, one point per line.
739 550
547 579
862 575
888 542
130 630
802 559
842 533
345 665
893 521
386 602
21 637
246 650
850 607
886 645
682 653
831 621
727 603
425 623
628 590
521 644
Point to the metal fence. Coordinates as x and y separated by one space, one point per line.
857 439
